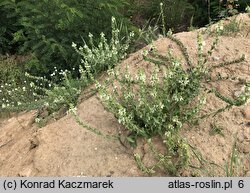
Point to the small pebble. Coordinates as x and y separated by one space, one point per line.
246 112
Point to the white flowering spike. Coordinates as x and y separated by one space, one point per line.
73 45
90 35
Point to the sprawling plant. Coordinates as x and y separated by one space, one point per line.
161 101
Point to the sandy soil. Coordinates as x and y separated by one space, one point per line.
63 148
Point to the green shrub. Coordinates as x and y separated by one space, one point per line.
50 27
177 13
9 25
226 8
180 13
10 70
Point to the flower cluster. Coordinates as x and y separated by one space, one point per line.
106 54
17 96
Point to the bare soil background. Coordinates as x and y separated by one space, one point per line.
63 148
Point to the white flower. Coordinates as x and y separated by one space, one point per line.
203 101
145 52
73 45
161 105
73 110
176 63
37 120
168 134
102 35
31 84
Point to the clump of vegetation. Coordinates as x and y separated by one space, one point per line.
15 89
228 27
39 92
10 70
232 27
225 8
178 13
158 104
106 54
